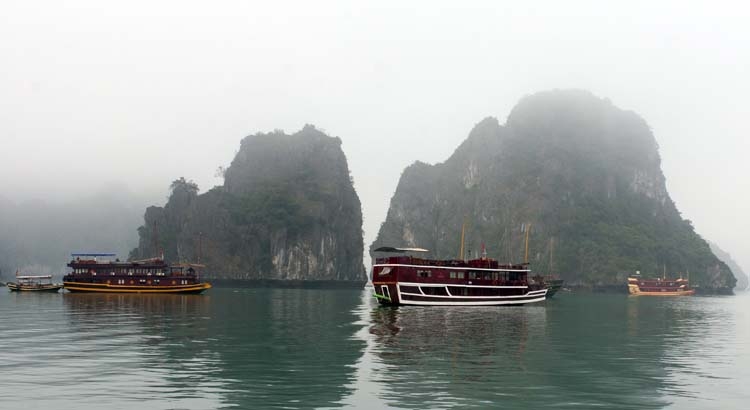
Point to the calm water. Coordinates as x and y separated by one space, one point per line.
291 348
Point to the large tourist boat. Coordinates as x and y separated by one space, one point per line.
404 279
658 286
33 283
98 272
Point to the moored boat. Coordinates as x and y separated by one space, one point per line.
33 283
553 285
658 286
409 280
97 272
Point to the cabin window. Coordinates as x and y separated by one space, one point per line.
130 272
472 275
452 275
424 273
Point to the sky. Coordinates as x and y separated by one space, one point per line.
138 93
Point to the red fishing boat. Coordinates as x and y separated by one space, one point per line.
97 272
409 280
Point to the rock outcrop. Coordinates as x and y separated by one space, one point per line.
739 274
583 173
287 211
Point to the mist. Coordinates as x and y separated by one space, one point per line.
138 94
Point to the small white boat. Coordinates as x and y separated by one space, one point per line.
34 283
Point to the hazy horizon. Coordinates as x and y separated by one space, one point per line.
138 94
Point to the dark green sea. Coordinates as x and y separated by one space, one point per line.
250 348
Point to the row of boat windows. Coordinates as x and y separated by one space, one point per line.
143 281
474 275
119 271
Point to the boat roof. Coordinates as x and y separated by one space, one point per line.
188 265
399 250
92 254
147 260
33 276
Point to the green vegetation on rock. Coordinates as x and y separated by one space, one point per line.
287 211
585 174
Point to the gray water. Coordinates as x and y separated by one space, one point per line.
311 348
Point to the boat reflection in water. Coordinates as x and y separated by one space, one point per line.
151 348
585 352
243 347
454 356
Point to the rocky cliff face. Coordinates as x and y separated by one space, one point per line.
586 176
739 274
287 211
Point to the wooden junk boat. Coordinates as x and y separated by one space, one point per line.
35 283
408 280
659 286
96 272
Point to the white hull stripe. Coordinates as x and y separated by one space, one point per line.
526 295
478 303
447 267
441 285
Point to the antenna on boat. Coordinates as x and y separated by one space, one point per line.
664 273
526 255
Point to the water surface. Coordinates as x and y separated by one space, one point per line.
312 348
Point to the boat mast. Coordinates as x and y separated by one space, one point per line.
200 246
526 254
154 240
461 251
551 248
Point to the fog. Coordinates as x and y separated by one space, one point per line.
96 93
